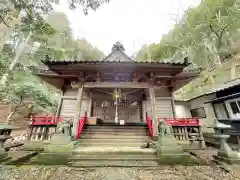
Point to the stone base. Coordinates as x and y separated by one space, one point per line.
154 138
163 149
50 159
59 148
192 146
173 159
60 139
227 159
3 154
170 153
33 146
59 143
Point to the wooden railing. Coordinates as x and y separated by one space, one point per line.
43 127
187 129
81 124
47 120
149 124
182 121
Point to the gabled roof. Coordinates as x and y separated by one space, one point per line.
116 56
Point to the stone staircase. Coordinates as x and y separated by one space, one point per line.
113 145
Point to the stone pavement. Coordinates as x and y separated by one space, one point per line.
161 173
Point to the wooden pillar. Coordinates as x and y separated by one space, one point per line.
144 111
78 108
173 108
153 108
172 102
59 103
90 105
59 106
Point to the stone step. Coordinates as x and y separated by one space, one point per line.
115 140
113 150
112 133
113 157
109 136
114 164
116 130
115 127
111 144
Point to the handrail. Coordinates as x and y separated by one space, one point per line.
81 124
149 124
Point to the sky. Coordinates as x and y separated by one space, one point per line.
132 22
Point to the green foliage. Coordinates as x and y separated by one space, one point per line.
62 46
205 34
31 12
24 89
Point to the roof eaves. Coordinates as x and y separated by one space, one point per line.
52 62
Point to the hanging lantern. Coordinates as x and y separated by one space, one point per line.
74 84
125 97
116 94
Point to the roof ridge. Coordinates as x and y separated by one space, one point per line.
117 50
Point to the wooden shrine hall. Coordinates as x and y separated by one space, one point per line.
116 89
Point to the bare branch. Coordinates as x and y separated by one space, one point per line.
3 21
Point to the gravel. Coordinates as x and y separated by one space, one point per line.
205 155
19 138
160 173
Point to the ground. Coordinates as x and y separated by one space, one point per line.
161 173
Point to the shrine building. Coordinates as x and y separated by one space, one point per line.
116 89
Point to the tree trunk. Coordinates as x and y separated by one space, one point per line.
6 31
233 69
10 115
13 111
15 60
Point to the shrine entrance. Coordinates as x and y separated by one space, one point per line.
113 105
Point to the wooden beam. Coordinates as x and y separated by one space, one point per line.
59 106
90 105
77 114
115 85
57 76
153 107
172 101
69 97
173 108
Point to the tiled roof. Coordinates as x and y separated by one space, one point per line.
48 62
117 55
229 84
216 88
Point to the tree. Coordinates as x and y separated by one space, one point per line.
204 34
62 46
30 12
24 90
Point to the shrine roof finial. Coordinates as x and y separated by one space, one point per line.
118 46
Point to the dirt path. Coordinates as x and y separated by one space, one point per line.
161 173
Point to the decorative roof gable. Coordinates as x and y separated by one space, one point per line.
117 54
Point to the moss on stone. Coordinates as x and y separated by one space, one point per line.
51 148
33 146
174 159
50 159
227 159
